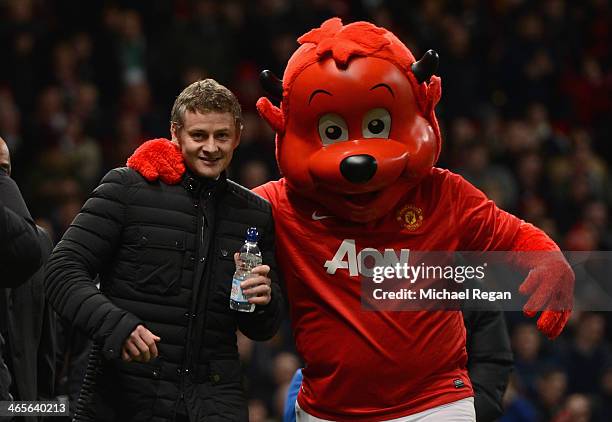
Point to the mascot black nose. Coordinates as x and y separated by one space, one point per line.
358 168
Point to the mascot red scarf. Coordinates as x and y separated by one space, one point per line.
357 140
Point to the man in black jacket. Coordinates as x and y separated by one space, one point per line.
165 259
30 334
20 255
20 252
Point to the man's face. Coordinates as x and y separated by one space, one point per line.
207 141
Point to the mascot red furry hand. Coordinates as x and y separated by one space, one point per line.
357 140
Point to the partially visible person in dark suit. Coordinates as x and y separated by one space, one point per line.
27 323
19 251
31 334
490 359
20 255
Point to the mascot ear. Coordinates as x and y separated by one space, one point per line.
271 114
434 92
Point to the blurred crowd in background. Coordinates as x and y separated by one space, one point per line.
525 113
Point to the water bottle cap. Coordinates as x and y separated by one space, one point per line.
252 234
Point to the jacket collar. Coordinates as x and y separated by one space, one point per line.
197 186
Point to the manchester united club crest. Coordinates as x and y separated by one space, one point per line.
410 217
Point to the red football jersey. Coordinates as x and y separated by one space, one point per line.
378 365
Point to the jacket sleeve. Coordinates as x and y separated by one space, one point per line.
263 323
86 249
489 360
20 255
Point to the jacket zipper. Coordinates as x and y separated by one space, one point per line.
199 282
193 305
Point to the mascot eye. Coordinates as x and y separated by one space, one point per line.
376 123
332 128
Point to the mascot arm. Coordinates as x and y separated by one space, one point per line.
550 279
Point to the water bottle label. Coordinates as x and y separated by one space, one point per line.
236 293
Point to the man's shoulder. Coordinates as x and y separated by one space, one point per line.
119 183
123 175
249 196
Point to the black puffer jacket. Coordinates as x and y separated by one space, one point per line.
165 259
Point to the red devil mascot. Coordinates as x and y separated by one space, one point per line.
357 141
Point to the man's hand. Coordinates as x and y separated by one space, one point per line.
158 159
257 288
140 346
550 287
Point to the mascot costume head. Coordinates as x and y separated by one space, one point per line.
356 128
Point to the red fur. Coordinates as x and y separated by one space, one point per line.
158 158
358 39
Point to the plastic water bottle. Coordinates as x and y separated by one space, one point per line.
250 257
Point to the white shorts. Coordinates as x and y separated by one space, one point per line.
457 411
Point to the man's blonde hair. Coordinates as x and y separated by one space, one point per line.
206 96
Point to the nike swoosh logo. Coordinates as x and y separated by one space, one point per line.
319 217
